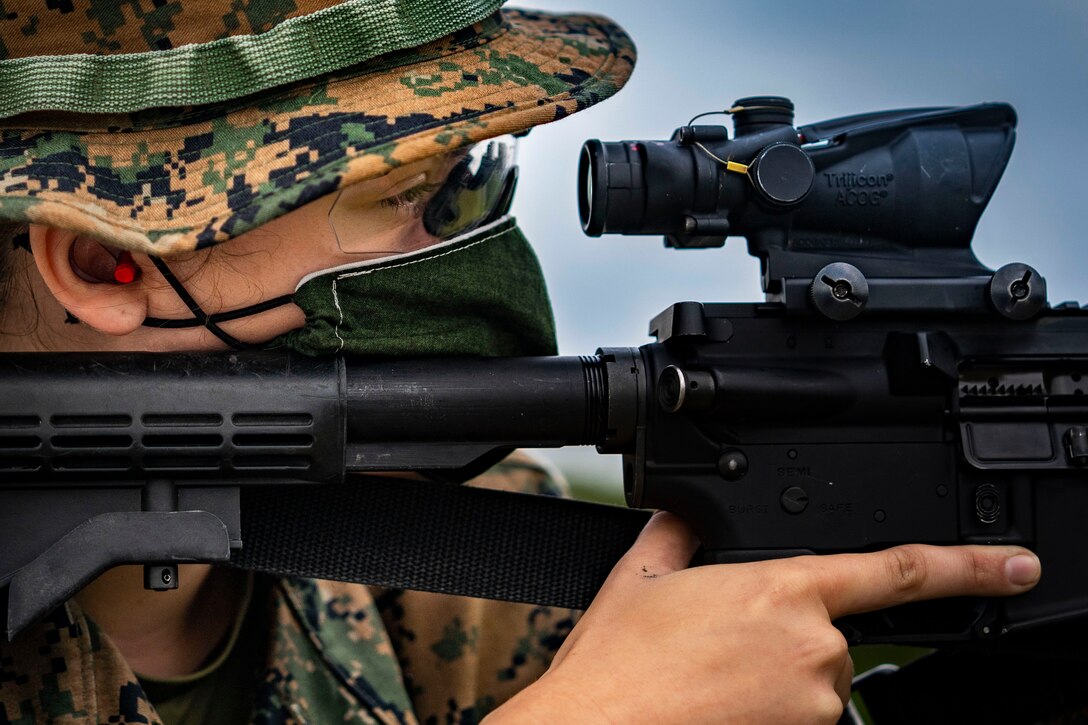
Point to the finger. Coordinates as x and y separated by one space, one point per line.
665 545
845 681
854 583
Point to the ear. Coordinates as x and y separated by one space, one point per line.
79 272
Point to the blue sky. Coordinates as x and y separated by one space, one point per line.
833 58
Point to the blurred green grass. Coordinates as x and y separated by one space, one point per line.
587 489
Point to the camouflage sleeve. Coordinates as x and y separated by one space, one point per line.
64 670
463 657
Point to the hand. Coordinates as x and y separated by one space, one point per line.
740 642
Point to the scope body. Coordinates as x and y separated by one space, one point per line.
897 193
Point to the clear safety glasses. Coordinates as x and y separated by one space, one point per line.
368 218
370 221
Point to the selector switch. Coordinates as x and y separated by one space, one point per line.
794 500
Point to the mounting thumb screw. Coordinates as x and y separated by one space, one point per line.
1017 291
840 291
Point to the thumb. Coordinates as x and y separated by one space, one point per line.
665 545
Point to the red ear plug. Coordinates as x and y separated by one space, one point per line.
126 270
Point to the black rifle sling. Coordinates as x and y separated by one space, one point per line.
408 534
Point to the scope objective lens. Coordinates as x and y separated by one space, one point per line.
591 165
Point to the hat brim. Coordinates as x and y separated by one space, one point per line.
168 181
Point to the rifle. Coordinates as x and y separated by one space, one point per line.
889 389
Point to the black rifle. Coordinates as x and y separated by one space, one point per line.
890 389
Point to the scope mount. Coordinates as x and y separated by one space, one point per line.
840 291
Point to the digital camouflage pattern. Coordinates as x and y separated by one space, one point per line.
167 181
156 75
136 26
337 653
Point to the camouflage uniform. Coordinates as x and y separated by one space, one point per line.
336 653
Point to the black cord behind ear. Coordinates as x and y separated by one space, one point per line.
202 319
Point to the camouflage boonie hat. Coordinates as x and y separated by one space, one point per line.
165 126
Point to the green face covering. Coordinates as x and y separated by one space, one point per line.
482 294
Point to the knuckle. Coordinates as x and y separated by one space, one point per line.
835 647
827 705
824 649
980 573
907 569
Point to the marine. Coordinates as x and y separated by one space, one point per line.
336 178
